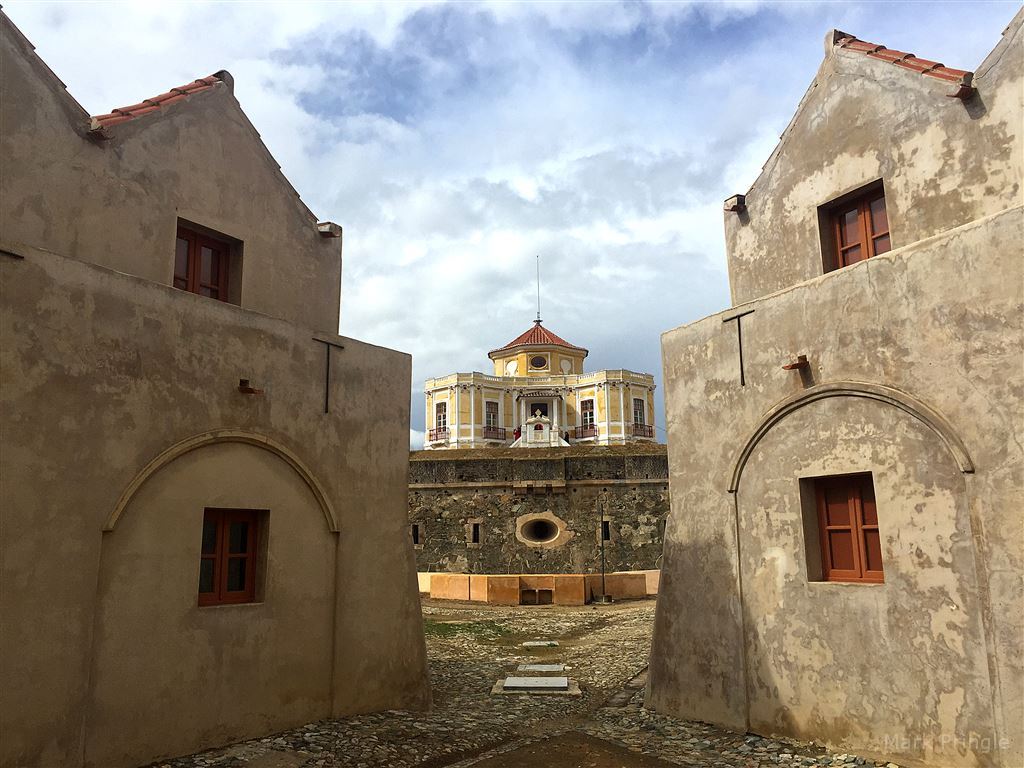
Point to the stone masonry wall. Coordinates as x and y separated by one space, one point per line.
570 489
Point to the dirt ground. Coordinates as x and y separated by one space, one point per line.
573 750
471 647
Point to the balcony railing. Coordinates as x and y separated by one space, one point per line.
437 434
643 430
582 432
494 433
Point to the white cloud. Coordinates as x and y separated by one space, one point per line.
455 142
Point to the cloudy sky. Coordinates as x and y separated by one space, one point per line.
456 142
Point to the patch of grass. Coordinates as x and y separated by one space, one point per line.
489 631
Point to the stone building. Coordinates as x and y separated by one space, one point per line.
542 511
204 532
843 559
539 397
593 476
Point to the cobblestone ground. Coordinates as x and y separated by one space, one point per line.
470 647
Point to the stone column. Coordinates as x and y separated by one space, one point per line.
607 413
622 408
453 421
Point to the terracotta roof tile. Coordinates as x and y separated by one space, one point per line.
146 106
535 336
960 77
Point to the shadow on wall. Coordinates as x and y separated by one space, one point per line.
760 642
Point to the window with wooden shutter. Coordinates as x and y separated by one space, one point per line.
858 228
851 548
228 557
202 264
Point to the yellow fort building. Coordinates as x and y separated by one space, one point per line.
539 397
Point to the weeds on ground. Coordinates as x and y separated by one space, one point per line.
487 631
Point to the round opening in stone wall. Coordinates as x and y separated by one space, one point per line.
539 530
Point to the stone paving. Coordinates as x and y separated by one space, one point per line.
470 647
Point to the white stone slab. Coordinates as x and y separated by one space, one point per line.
541 668
573 689
536 684
540 644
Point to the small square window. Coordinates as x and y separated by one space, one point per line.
228 556
206 264
843 538
854 228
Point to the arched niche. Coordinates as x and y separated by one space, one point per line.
224 436
894 397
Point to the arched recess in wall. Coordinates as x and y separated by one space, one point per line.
894 397
224 436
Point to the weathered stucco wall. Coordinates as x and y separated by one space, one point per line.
287 636
943 161
122 420
117 202
927 666
102 373
863 657
501 489
914 375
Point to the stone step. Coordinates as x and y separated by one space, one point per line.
536 684
543 669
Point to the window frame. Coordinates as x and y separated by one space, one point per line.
441 415
642 421
221 556
861 200
854 486
491 409
192 279
587 409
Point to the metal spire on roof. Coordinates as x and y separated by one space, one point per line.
538 290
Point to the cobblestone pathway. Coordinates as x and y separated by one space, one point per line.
470 647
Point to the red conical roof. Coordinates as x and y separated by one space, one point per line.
536 336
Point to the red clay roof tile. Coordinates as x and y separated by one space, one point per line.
909 61
146 106
537 335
